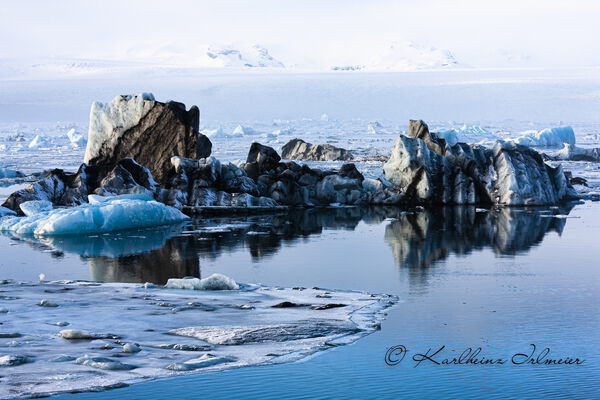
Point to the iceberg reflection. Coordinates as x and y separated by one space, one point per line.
418 239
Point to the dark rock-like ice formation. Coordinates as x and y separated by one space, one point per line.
298 149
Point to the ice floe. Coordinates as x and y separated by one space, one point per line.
127 333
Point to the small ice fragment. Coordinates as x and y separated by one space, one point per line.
61 323
213 282
103 363
74 334
47 303
131 348
13 360
3 310
482 210
328 306
62 358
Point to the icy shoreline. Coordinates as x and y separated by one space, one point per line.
84 336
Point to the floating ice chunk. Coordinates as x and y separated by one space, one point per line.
76 138
553 137
74 334
324 117
103 363
243 131
574 153
108 216
38 142
284 131
4 212
131 348
13 360
374 128
216 133
47 303
62 358
34 207
9 173
213 282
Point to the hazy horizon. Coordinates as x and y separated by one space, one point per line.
308 33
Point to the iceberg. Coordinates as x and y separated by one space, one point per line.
108 216
76 138
554 137
108 122
215 133
39 141
213 282
241 130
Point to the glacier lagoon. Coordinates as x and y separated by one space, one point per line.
464 277
498 279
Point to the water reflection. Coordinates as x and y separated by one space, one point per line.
177 258
417 239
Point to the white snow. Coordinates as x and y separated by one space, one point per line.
107 216
213 282
76 138
108 121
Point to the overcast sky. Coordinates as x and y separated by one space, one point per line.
307 32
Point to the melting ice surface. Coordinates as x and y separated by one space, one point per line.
101 216
82 335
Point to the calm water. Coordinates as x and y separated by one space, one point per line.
500 280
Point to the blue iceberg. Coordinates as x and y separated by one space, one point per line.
109 215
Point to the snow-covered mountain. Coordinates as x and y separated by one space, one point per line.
407 56
141 60
207 56
254 56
